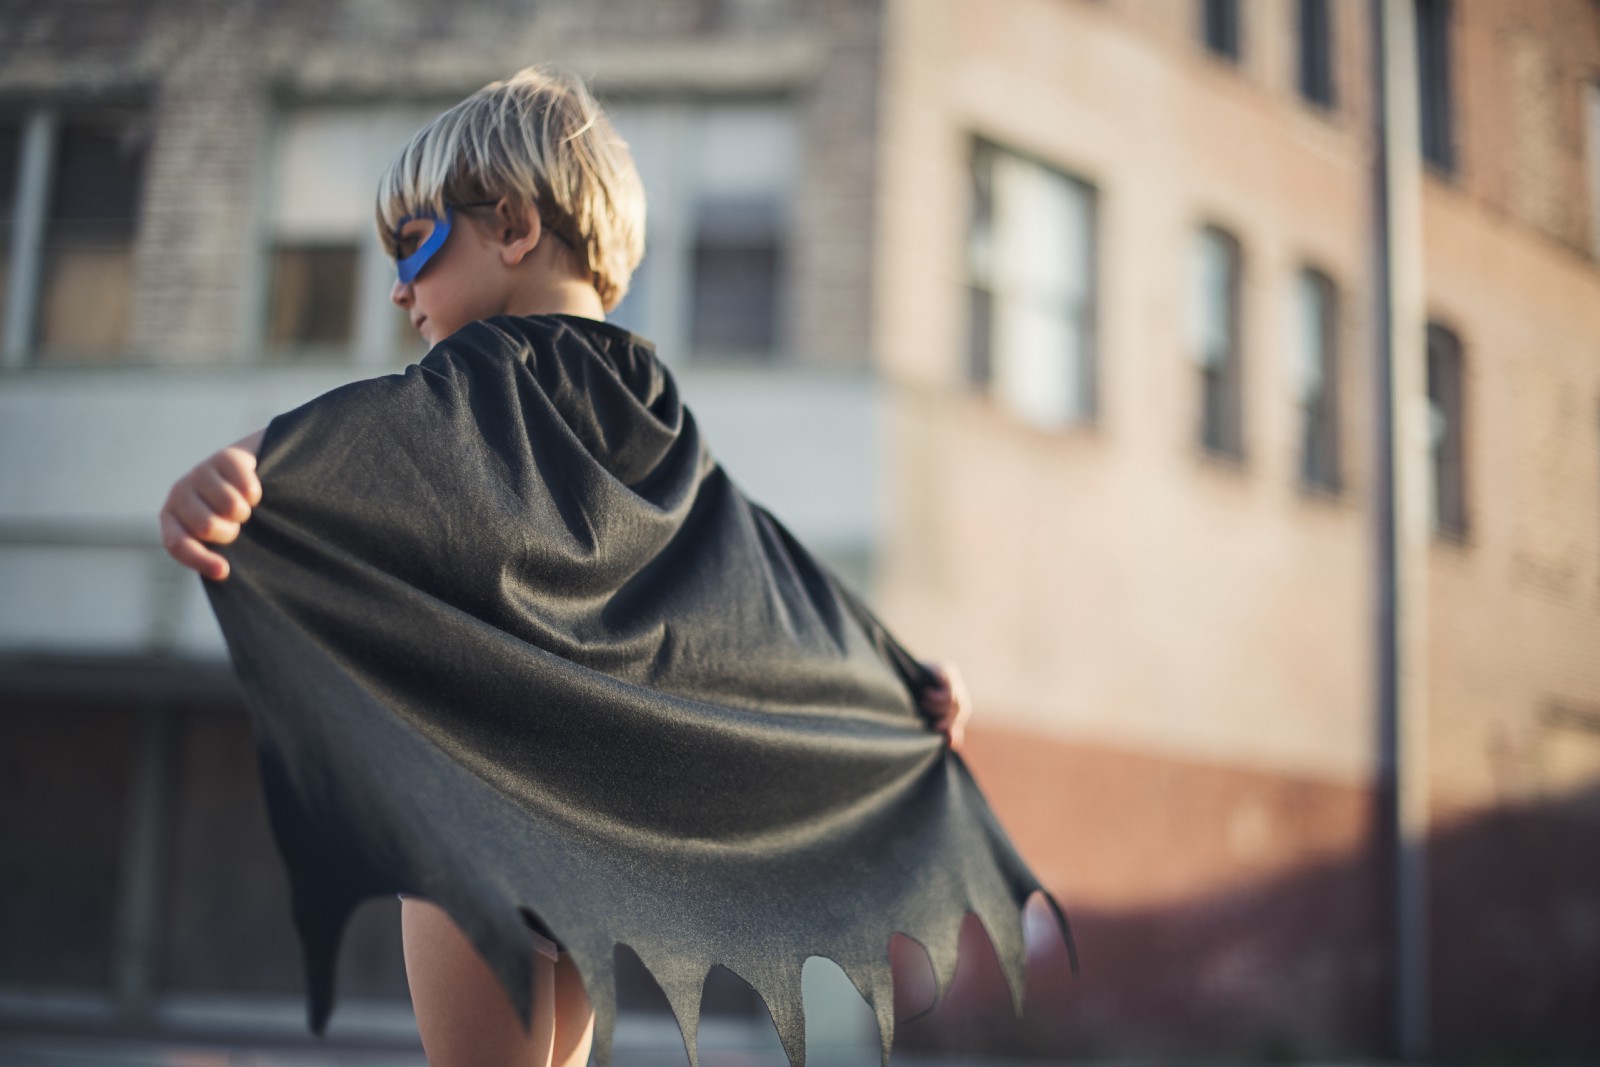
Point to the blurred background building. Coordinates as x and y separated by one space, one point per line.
1053 324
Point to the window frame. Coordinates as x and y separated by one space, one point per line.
662 300
1434 20
1316 70
985 286
1447 459
378 332
1222 29
40 129
1221 381
1321 468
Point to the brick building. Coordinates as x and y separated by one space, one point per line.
1049 321
187 248
1134 494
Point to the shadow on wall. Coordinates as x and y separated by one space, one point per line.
1297 965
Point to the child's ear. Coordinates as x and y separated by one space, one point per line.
518 231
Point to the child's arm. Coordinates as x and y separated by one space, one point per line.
209 504
947 706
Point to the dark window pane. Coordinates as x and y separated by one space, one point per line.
1433 75
1319 466
737 260
1221 415
980 266
98 176
1445 396
980 342
1221 27
735 305
1316 52
313 296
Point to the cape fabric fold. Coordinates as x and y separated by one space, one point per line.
513 641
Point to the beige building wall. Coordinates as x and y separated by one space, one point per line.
1174 656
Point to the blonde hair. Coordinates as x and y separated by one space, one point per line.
536 138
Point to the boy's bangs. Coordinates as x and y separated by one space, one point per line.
415 182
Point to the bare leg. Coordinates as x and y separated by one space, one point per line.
463 1015
574 1017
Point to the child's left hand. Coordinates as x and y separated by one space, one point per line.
947 705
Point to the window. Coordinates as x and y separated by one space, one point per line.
1445 407
1316 378
1219 27
1030 271
70 195
1433 78
1215 342
326 277
1316 52
719 179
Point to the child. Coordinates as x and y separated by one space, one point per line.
520 202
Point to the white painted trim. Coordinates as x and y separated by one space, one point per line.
37 156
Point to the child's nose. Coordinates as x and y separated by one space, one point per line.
400 293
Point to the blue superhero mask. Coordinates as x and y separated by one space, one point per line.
431 241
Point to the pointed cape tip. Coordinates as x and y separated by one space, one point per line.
319 939
684 987
1065 928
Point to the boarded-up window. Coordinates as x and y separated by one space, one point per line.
86 261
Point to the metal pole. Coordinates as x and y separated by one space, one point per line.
1402 515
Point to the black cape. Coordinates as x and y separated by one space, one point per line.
512 640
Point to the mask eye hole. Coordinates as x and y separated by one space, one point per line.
409 238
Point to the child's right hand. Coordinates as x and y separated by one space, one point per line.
209 504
